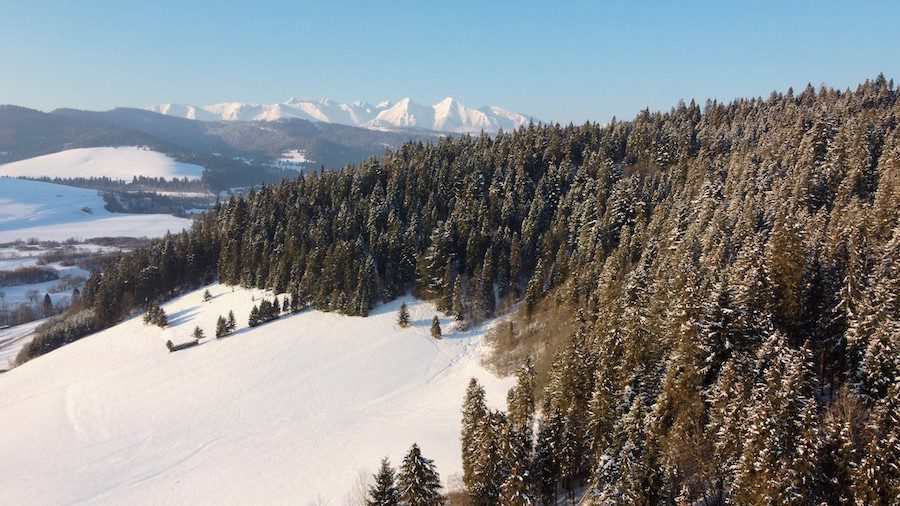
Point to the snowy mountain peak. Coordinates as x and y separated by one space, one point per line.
448 115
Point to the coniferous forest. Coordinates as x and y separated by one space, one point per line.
733 269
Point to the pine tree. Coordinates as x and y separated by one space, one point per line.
221 327
232 324
383 492
285 305
403 316
435 328
198 333
207 296
417 482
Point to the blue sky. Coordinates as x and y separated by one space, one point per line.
560 61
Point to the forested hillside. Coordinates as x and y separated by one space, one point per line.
733 268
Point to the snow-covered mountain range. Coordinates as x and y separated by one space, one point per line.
448 115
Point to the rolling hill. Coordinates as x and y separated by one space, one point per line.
122 163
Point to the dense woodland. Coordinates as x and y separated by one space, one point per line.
733 269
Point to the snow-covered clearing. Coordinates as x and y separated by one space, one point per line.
295 156
288 412
52 212
116 163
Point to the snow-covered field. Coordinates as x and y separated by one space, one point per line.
12 339
286 413
116 163
52 212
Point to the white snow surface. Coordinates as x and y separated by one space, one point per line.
116 163
53 212
289 412
448 115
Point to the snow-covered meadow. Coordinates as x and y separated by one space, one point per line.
52 212
122 163
289 412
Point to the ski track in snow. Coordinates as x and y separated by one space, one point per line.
285 413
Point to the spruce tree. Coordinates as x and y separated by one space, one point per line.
474 411
232 324
253 320
383 492
435 328
198 333
207 296
221 327
403 316
417 482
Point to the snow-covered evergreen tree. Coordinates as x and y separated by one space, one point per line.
418 482
474 411
221 327
435 328
384 491
403 316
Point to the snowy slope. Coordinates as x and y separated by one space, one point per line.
287 413
55 212
447 115
116 163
